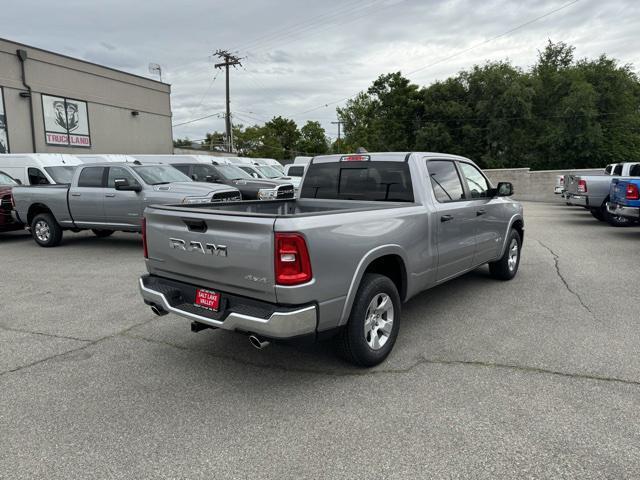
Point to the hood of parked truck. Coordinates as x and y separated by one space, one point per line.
255 183
192 188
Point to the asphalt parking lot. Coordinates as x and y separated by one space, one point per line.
534 378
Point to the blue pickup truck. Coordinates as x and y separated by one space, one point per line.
624 198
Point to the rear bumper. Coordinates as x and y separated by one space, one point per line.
558 190
261 318
578 200
617 209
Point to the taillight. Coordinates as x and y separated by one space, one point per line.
144 238
632 192
292 263
582 186
355 158
561 180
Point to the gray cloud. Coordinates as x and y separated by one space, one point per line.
302 55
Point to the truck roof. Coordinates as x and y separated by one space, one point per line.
383 156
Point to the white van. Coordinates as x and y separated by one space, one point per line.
271 162
105 158
173 159
39 168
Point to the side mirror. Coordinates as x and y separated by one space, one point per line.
122 184
255 175
18 181
504 189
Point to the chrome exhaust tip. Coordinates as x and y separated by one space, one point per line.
159 311
258 342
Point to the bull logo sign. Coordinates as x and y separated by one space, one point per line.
66 122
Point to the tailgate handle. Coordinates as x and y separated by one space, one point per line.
199 226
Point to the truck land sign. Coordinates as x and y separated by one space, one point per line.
66 122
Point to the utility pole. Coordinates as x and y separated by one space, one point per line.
339 123
229 61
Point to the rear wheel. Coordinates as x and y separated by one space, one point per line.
45 230
597 213
102 233
373 325
507 267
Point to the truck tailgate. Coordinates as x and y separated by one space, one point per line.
190 247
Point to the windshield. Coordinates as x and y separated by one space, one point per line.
231 172
160 174
252 172
6 179
269 172
61 174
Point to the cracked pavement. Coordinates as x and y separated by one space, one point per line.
535 378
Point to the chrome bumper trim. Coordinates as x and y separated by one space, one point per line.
278 325
617 209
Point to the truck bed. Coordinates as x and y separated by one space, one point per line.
290 208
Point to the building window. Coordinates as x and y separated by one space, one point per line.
4 135
66 122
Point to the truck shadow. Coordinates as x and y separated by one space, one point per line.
14 237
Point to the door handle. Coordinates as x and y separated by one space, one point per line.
482 211
446 218
110 195
75 194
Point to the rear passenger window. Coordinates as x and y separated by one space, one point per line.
91 177
478 185
634 171
36 177
445 181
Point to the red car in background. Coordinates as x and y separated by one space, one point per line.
7 223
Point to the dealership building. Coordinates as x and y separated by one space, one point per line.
52 103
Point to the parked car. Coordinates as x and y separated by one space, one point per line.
367 233
624 198
39 168
559 188
108 197
268 172
7 222
592 192
205 168
273 163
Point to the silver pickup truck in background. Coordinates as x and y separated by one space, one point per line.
108 197
592 191
367 233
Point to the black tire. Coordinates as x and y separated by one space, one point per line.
597 213
615 220
353 342
102 233
503 269
45 230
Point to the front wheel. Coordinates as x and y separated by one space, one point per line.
45 230
373 325
507 267
101 233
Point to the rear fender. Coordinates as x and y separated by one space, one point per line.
364 263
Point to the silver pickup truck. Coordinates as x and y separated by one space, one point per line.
367 233
108 197
592 191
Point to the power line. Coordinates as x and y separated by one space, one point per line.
197 119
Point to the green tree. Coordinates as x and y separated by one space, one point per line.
313 139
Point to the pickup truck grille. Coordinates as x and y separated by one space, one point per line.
226 197
285 191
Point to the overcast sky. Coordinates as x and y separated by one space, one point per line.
301 55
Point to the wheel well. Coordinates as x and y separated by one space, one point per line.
36 209
518 226
391 266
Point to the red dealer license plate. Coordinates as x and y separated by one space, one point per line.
207 299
